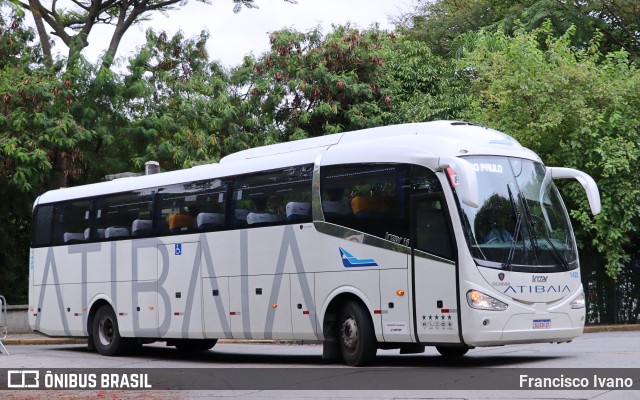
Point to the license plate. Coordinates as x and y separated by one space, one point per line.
541 323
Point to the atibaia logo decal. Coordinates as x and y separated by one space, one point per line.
350 261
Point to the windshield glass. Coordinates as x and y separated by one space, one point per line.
521 223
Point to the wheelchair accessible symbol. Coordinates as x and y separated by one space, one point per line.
179 249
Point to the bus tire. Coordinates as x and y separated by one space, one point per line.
106 335
194 345
452 352
356 336
91 346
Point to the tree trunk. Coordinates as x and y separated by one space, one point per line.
42 32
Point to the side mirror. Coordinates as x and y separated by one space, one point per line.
587 182
461 176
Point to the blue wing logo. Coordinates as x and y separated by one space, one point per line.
350 261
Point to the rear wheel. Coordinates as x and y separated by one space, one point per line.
193 345
452 352
357 339
106 335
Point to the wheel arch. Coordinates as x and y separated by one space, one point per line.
335 301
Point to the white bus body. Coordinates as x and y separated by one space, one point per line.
379 238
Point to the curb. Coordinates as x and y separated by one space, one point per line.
43 340
611 328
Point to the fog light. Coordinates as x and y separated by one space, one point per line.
578 302
483 301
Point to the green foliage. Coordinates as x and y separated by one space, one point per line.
425 86
39 135
443 24
181 106
575 108
309 85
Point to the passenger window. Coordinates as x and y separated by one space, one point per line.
273 198
123 216
194 206
372 198
71 222
42 219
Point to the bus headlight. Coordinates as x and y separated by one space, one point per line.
483 301
578 302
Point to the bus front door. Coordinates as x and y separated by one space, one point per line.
433 271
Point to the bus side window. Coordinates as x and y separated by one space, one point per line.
41 229
70 220
193 206
273 198
118 216
210 209
370 198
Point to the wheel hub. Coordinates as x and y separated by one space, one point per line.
106 331
350 333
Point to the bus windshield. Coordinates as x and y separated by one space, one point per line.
521 223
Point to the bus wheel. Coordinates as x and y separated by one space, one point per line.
452 352
356 335
106 336
193 345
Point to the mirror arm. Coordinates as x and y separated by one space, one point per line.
587 182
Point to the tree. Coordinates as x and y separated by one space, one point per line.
72 21
181 106
37 131
576 108
311 84
442 24
427 87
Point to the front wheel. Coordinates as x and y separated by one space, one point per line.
452 352
106 336
356 335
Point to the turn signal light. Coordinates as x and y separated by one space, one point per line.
400 292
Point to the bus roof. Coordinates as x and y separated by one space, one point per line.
407 143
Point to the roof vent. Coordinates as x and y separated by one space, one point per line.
151 167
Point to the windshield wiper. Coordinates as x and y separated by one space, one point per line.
516 231
542 233
512 249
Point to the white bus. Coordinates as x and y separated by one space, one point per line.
440 234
